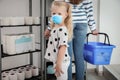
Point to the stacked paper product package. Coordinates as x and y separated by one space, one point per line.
5 21
18 43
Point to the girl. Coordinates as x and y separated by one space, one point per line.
82 16
61 33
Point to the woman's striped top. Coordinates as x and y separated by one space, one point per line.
83 13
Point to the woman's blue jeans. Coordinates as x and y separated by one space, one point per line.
76 47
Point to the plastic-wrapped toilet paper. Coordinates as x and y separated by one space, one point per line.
36 20
21 69
12 76
28 73
16 20
35 71
28 20
13 21
20 75
18 43
5 73
5 21
5 77
13 71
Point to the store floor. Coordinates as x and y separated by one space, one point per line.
91 75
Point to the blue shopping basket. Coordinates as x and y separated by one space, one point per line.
98 53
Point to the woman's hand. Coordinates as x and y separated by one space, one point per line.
58 70
47 33
95 32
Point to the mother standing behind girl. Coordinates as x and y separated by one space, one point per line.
82 14
61 33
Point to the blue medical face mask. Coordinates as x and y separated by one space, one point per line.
57 19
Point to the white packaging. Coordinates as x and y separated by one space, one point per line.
4 44
0 20
5 73
20 75
28 73
19 43
13 71
5 77
13 21
36 20
12 76
35 71
73 67
16 20
20 20
28 20
5 21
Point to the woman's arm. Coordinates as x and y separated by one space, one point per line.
90 16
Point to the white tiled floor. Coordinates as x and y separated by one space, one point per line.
91 75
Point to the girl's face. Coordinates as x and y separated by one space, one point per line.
59 11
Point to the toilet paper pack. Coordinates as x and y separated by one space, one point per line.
18 43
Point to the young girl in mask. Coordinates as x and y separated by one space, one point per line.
82 17
61 33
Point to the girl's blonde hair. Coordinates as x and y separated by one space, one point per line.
68 20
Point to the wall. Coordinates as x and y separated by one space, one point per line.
110 24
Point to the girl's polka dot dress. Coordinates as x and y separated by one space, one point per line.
59 36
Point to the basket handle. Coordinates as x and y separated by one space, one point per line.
106 36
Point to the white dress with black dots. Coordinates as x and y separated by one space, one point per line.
59 36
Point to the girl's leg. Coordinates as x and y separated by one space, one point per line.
80 30
65 66
70 51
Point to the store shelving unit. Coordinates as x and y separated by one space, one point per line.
31 53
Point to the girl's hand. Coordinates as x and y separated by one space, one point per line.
47 33
95 32
58 70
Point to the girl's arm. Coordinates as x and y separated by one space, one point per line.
61 54
60 57
62 47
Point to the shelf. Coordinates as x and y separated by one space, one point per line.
6 55
19 25
33 78
51 77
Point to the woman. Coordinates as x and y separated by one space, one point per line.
82 13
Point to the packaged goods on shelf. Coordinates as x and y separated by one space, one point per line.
28 20
17 21
18 43
5 21
36 20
